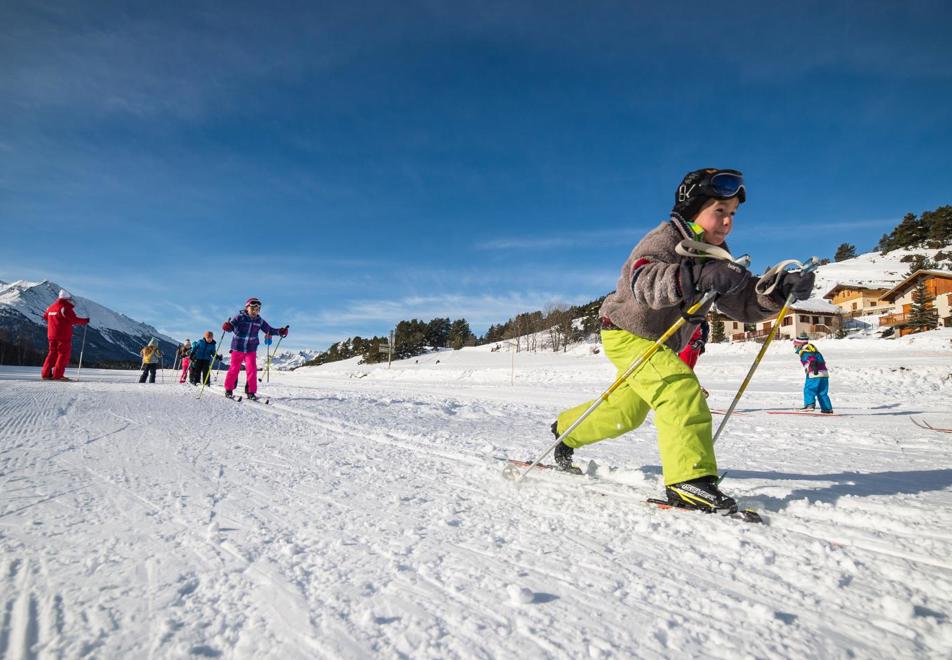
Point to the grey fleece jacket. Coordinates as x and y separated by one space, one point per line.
648 298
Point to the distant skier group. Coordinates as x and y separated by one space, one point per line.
196 357
654 319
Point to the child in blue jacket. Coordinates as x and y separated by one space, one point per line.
817 384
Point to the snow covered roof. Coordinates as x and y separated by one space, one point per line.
897 290
816 305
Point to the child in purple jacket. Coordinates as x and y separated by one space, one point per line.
244 346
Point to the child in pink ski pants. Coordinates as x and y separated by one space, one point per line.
251 370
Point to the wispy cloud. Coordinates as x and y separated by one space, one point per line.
565 240
480 310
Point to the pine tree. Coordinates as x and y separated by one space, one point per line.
922 312
459 334
717 330
939 226
917 262
845 251
438 332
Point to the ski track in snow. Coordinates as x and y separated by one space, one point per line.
361 514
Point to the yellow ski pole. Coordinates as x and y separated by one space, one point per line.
810 265
639 362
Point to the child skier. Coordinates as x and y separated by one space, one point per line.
817 384
204 350
182 353
656 287
150 360
244 346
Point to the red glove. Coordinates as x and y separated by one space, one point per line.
284 331
227 327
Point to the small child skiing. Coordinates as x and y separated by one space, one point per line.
244 346
182 353
204 351
816 387
657 285
151 354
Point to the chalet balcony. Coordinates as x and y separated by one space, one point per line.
813 330
890 320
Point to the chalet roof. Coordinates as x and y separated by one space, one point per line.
898 290
860 287
816 306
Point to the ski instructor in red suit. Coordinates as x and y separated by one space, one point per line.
61 319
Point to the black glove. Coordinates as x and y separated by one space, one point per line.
800 285
719 275
814 366
698 345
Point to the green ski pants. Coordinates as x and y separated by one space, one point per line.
666 385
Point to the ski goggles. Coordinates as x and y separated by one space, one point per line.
726 185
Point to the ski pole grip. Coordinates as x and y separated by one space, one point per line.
809 265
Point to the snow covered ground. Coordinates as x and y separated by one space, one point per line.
361 514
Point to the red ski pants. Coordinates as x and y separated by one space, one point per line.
57 359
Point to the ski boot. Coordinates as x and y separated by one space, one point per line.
827 412
229 394
251 396
701 493
563 453
809 408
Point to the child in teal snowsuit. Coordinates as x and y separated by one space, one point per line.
817 384
656 286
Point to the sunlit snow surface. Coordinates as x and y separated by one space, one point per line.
361 514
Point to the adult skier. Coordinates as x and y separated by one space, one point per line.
655 288
204 350
244 346
182 353
151 354
816 387
60 319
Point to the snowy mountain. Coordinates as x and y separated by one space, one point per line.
112 337
288 360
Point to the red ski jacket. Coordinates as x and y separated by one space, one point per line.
61 319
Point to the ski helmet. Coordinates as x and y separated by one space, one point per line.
252 302
701 185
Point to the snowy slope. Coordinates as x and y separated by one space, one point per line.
872 270
361 514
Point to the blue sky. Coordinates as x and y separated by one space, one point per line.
358 165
